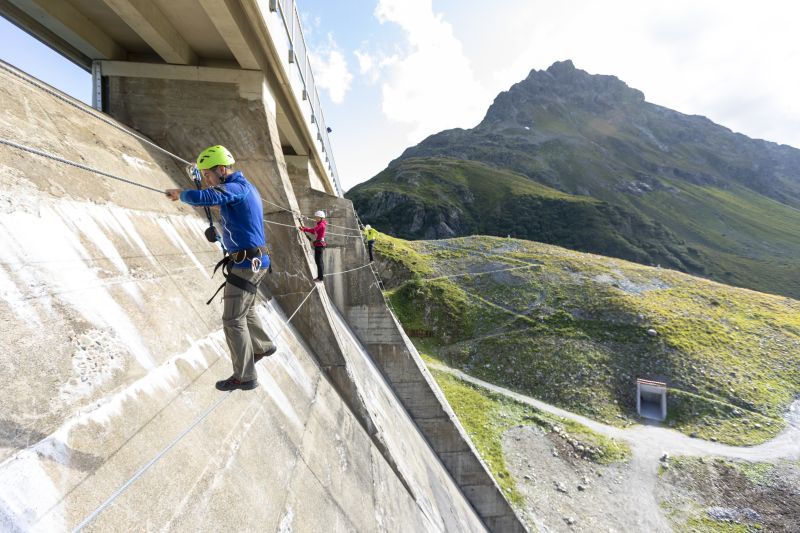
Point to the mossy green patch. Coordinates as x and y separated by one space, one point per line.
439 306
762 474
399 251
703 524
485 417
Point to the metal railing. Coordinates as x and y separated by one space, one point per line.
298 55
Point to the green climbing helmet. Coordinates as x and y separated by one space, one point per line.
214 156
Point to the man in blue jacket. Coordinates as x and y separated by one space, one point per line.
242 217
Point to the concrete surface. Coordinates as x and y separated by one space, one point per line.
109 352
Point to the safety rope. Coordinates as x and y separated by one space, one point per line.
87 168
295 311
117 493
299 214
293 226
212 235
346 271
81 166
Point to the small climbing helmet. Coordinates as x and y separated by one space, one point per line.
214 156
367 227
320 214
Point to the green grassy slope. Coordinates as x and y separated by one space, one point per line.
574 329
420 198
744 239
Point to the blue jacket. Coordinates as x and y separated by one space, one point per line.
241 211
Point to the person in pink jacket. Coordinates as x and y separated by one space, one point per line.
319 241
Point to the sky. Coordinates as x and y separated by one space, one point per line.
393 72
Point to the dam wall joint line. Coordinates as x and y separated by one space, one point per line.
139 473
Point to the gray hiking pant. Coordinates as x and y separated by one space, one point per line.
244 331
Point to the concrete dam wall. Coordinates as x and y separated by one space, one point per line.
110 419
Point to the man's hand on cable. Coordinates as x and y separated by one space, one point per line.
173 194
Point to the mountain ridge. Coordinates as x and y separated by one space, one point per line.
728 206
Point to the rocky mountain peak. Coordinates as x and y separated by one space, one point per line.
561 85
561 69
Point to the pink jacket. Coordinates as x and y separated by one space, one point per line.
319 232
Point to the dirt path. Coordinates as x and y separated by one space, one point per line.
654 440
622 497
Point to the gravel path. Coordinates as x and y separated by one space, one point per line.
624 497
654 440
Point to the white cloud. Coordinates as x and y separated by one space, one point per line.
330 71
372 65
430 83
732 61
366 64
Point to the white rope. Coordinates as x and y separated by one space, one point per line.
346 271
280 224
293 226
81 166
82 107
296 310
299 214
172 444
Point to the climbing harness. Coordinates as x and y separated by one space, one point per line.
238 257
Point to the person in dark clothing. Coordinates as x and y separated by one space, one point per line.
242 217
319 241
